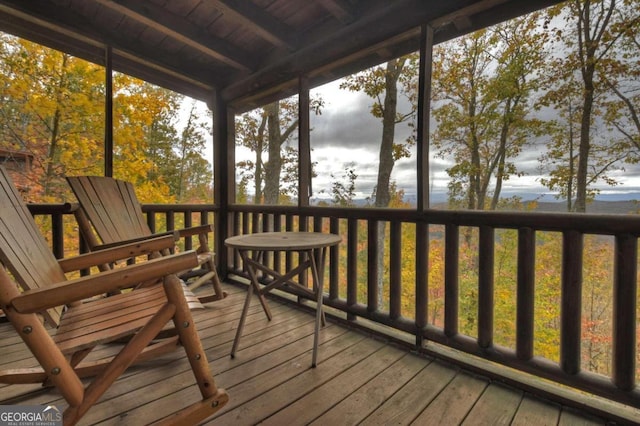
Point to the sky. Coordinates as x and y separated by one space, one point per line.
346 135
347 132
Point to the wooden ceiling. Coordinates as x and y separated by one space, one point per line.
246 50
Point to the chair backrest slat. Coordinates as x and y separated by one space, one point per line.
23 250
111 206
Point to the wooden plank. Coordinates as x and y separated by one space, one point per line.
534 411
497 405
263 379
406 404
143 396
454 402
155 403
315 403
270 402
570 417
372 394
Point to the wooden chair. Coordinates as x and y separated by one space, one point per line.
111 214
33 282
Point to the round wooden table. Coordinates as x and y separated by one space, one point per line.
312 248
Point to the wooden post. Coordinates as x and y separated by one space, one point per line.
223 177
424 113
108 114
304 143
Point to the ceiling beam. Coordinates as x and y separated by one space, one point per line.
247 14
179 29
340 9
464 13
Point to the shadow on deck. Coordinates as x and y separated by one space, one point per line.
359 379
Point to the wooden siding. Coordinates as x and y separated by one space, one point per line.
359 379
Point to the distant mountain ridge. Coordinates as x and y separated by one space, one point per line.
597 206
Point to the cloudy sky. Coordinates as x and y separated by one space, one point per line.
346 133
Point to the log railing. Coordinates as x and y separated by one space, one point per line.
620 386
343 271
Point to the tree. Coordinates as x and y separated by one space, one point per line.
52 110
194 173
482 86
592 37
381 83
343 194
269 130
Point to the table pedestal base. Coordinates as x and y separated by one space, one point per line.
307 261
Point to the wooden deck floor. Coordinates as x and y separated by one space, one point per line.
359 380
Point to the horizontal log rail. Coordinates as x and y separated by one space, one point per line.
352 223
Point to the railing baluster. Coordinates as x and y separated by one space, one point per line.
422 280
317 223
372 265
255 222
334 261
246 222
571 315
352 264
525 294
57 235
625 293
485 287
151 221
289 227
171 220
236 226
303 226
395 270
451 286
276 227
188 223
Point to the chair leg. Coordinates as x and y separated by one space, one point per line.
190 340
119 364
198 411
212 276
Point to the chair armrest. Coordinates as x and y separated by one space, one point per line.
202 232
194 230
119 252
136 239
37 300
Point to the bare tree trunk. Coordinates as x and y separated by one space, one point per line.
52 155
585 143
274 165
387 160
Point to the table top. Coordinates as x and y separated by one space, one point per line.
283 241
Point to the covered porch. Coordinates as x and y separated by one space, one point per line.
360 379
409 362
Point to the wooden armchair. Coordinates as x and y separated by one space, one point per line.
111 214
33 282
